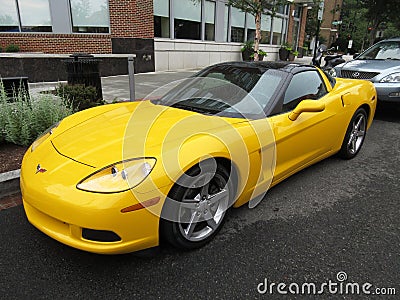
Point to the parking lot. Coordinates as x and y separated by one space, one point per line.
336 216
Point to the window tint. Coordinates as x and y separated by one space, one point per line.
209 12
30 16
265 28
90 16
226 90
8 16
35 15
237 25
161 18
383 50
304 85
187 20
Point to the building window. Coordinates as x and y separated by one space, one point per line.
90 16
237 25
251 27
35 15
277 34
226 23
281 9
161 18
209 13
187 19
25 15
297 11
8 16
265 27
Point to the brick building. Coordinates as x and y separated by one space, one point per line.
330 31
164 34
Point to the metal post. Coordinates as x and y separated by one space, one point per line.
131 70
319 17
316 42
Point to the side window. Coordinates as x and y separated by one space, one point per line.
304 85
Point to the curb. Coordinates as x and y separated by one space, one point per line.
9 183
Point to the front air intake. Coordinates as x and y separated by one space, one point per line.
100 235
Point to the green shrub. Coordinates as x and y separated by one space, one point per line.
47 111
23 120
79 96
262 52
3 112
17 123
248 46
12 48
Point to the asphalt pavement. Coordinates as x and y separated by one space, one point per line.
336 217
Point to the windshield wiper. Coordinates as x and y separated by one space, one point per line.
200 110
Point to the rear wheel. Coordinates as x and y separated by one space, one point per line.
195 209
355 135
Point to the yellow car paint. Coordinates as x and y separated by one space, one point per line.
90 140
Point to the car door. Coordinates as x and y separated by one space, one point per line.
312 135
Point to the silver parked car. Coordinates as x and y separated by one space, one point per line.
380 64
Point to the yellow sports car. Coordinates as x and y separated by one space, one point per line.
121 177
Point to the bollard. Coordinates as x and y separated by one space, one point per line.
131 71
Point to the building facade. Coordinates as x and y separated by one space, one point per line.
164 34
331 21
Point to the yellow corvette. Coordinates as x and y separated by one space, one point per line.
119 178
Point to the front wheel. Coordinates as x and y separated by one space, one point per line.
195 209
355 135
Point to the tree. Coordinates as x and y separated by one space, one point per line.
354 25
257 8
379 12
363 18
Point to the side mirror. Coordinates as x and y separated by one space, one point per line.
355 55
306 106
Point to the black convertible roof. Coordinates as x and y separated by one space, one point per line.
286 66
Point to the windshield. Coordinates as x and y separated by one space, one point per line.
226 90
383 50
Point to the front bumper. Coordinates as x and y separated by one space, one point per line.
54 205
134 236
388 92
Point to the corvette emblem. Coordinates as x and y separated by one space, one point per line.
39 169
356 74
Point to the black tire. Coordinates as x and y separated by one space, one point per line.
192 214
355 135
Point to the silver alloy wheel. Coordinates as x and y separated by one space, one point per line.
202 209
357 134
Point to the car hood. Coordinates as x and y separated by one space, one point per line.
381 66
134 129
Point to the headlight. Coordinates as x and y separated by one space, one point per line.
332 72
44 136
395 77
118 177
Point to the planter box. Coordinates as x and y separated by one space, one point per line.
283 54
246 55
